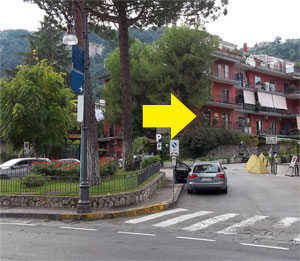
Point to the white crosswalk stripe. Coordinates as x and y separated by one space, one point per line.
248 222
153 216
286 222
208 222
181 218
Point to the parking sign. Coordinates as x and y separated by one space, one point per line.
174 147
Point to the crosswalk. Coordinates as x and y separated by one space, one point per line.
185 220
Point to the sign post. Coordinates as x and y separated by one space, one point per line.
272 140
158 142
26 148
174 152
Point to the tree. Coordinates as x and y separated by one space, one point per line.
35 106
174 64
139 14
46 44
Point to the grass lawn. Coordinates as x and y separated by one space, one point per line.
122 181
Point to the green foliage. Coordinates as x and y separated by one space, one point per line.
140 144
200 138
33 180
289 50
107 166
297 64
148 161
175 63
35 107
55 168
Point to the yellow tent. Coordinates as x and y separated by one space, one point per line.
258 167
250 161
264 160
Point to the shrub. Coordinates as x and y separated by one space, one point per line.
56 168
107 166
148 161
33 180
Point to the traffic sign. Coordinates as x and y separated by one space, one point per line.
271 140
174 147
26 147
158 137
158 146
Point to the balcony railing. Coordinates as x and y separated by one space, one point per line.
223 99
223 74
291 89
252 107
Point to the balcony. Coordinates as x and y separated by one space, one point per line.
223 76
292 92
108 136
266 110
222 101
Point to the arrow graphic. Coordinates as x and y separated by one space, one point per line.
175 116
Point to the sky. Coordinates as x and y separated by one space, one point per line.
247 21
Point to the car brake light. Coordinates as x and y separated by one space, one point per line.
193 176
221 176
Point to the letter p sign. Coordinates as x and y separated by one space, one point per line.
158 137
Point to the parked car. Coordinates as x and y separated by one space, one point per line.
207 175
70 161
181 172
17 167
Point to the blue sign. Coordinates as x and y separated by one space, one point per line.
77 70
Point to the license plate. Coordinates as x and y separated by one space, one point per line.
206 179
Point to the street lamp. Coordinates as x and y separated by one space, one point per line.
84 203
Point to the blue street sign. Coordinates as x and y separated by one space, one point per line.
78 69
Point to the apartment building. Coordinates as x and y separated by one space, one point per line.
256 94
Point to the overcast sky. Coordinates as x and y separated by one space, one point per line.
247 21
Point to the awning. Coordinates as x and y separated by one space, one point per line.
279 102
265 99
298 122
249 97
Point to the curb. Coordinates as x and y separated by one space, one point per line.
104 215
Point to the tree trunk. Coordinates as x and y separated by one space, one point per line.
92 140
127 147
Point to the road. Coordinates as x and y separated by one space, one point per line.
257 220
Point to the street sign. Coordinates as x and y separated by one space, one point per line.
26 147
80 104
174 147
293 161
271 140
158 146
158 137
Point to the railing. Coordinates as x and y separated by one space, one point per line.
14 184
223 74
291 89
223 99
252 107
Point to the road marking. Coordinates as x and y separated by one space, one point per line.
181 218
282 248
137 234
19 224
153 216
80 228
286 222
195 238
250 221
208 222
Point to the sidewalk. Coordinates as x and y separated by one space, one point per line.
161 199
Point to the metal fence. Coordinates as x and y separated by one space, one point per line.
70 185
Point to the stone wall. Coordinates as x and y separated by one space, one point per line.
107 201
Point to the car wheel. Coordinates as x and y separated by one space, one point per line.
225 191
190 191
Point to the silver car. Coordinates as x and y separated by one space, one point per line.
206 175
17 167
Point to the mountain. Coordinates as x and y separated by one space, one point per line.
288 50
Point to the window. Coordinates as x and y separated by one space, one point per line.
226 71
207 116
226 119
272 86
209 168
258 126
220 70
225 95
257 81
273 127
111 130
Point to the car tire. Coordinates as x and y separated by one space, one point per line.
225 191
190 191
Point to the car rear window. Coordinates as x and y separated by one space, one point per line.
206 168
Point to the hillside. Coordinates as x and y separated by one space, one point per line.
11 43
288 50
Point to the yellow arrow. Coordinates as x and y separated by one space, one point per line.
175 116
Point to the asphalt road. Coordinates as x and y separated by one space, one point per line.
257 220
